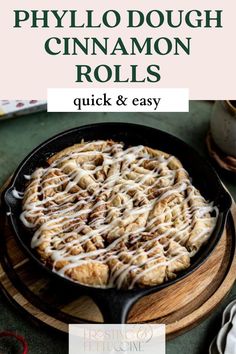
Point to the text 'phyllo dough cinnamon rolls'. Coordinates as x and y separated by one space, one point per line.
109 216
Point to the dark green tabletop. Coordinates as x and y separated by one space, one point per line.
20 135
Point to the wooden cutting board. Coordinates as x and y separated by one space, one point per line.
180 306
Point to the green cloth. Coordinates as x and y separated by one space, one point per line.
20 135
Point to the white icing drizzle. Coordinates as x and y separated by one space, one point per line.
27 177
16 194
116 206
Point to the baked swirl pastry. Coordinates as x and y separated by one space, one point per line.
109 216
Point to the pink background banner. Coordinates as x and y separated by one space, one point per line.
26 70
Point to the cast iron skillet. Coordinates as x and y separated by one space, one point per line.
115 304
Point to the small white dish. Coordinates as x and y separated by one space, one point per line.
230 347
213 348
225 341
227 312
229 315
222 337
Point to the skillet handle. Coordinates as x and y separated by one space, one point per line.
7 198
115 306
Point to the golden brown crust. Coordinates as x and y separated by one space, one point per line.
95 274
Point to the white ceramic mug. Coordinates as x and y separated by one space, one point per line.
223 126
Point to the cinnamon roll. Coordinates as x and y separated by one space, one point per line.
109 216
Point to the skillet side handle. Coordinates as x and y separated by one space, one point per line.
7 199
115 306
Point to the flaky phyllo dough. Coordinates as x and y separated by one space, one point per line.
108 216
